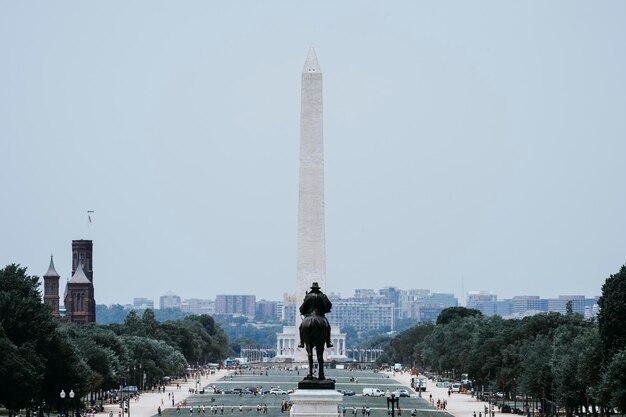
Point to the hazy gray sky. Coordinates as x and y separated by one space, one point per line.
483 140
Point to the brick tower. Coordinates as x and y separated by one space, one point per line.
51 289
80 306
83 250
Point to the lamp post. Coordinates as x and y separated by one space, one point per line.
71 398
394 403
63 395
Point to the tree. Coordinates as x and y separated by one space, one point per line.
26 327
614 381
21 369
452 313
403 346
611 323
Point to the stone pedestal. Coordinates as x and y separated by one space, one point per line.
315 402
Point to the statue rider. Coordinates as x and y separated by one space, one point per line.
316 302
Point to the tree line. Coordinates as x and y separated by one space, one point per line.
561 360
40 356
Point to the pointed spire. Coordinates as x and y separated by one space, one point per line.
79 276
311 64
51 271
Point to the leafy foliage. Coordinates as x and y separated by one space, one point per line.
561 359
40 356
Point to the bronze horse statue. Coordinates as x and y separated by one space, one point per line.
313 332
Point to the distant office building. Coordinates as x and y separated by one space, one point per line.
524 304
392 295
169 300
369 295
427 313
362 316
474 298
198 306
416 302
411 298
289 313
560 304
441 299
243 305
501 308
266 310
288 308
143 303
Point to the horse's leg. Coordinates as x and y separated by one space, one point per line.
309 351
320 360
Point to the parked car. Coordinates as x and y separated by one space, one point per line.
401 393
278 391
229 391
374 392
346 392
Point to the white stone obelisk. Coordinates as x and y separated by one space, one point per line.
311 229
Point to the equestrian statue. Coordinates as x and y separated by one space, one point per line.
315 329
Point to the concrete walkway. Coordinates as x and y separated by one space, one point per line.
148 403
459 405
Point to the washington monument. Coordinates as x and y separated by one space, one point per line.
311 262
311 232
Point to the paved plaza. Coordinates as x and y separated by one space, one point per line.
458 405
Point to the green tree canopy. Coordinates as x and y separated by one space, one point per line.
452 313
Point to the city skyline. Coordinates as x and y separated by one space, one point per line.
466 148
184 298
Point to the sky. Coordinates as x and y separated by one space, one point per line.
468 145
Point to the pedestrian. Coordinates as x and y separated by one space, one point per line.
368 411
354 411
240 409
178 409
159 411
363 411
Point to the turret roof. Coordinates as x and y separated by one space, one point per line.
79 276
51 271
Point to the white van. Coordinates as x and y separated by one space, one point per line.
456 387
374 392
419 383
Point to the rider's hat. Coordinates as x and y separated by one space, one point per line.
315 286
